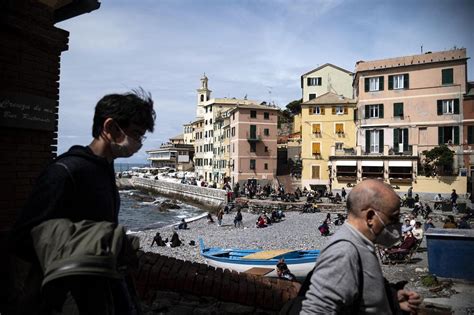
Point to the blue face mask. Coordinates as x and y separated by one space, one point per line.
390 235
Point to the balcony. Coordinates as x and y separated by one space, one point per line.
253 137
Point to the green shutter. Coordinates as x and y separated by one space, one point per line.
308 81
381 83
447 76
440 107
456 106
390 82
380 110
470 138
440 135
381 141
405 139
397 109
366 111
405 81
456 134
367 141
395 140
367 84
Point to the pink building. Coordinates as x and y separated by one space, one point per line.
253 143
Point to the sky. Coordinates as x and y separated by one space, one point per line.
258 48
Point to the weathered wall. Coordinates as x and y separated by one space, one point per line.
208 197
158 275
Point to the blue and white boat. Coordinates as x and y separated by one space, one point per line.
300 262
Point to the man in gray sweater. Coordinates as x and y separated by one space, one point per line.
348 278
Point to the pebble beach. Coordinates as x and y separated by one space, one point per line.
295 231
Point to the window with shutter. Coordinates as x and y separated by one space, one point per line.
397 109
398 81
339 128
447 76
315 172
316 148
316 128
470 134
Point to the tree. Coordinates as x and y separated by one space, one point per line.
438 161
294 107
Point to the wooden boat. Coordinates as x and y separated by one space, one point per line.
257 261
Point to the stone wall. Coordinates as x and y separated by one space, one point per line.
166 284
208 197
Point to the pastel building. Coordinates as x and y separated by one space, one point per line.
321 80
175 154
327 127
407 105
253 143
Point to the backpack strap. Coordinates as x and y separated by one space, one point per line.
307 280
69 172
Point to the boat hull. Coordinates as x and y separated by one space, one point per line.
299 262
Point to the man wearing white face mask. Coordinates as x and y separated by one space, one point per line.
347 278
80 185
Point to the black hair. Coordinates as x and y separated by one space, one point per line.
282 266
135 107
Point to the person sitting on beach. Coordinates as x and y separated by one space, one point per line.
438 198
283 272
340 219
328 218
175 241
408 243
260 222
183 225
158 240
429 224
418 231
268 221
449 223
337 198
324 228
209 218
406 227
464 222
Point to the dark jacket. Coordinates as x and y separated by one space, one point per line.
77 185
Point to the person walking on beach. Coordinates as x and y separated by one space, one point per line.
347 278
343 194
220 215
80 185
238 219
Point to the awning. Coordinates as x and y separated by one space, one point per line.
372 163
346 163
400 163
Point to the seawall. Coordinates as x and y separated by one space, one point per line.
209 198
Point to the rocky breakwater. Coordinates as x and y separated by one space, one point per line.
209 198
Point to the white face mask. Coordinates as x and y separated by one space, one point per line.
390 235
126 148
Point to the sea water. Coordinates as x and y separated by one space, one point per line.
139 211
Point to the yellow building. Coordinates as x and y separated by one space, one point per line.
327 124
321 80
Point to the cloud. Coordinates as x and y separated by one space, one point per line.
258 48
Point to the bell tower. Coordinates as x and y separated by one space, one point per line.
204 94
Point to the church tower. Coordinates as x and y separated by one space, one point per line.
204 94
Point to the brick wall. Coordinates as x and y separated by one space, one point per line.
164 273
30 49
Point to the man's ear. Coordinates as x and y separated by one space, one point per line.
370 217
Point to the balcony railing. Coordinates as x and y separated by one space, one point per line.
253 137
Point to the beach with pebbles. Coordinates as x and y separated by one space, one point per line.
296 231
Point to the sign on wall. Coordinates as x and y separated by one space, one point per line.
27 112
